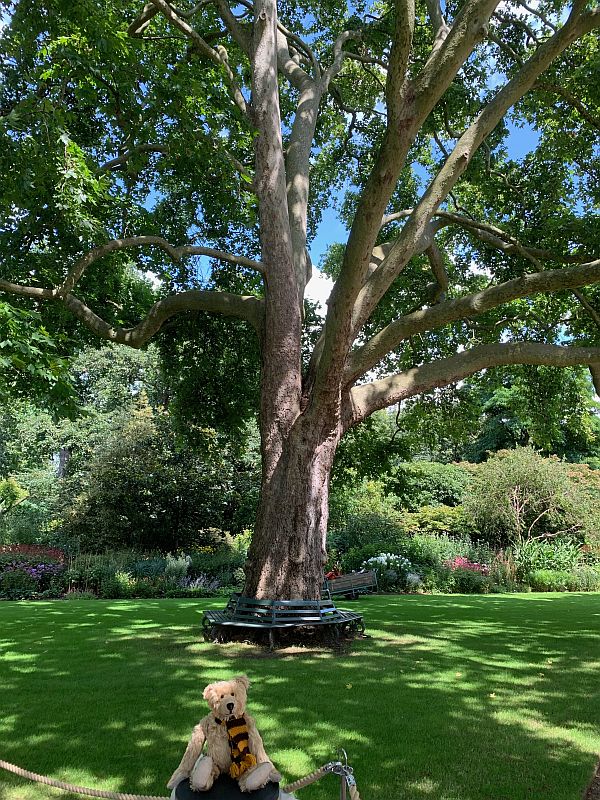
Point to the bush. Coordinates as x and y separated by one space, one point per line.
517 495
25 576
119 586
392 570
176 568
538 554
584 578
469 581
364 500
426 483
549 580
17 584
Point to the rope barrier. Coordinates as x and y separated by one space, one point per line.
306 780
332 767
69 787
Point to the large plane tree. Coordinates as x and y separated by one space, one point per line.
200 144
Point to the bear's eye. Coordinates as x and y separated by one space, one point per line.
222 696
233 694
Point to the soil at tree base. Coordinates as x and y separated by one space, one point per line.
593 792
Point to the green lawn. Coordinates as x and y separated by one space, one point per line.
453 697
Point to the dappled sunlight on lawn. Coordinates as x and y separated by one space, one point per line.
452 698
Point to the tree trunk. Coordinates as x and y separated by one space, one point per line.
287 554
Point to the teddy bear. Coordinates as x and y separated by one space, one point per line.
233 743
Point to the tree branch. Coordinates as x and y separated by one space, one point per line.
217 55
366 399
494 236
455 165
364 358
570 99
248 308
588 306
120 161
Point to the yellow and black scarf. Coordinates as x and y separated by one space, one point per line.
241 757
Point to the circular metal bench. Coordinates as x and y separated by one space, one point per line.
272 615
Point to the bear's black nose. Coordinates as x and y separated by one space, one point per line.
230 706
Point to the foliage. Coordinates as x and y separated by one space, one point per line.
440 519
461 563
425 483
33 521
112 128
392 570
557 554
163 495
549 580
11 494
366 452
517 495
30 362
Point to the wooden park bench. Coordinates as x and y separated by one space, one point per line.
271 615
351 585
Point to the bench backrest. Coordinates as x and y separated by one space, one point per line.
280 610
354 580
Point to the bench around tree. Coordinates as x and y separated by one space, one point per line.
353 584
270 615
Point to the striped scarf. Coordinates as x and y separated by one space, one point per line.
241 757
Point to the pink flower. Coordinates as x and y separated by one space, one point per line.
461 562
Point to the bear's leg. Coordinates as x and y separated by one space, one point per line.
203 774
255 778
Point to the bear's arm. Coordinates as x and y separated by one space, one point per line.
191 755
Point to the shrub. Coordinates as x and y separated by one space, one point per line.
503 571
176 568
17 584
461 563
32 551
221 564
549 580
437 579
356 556
584 578
118 586
540 554
469 581
25 576
451 521
517 495
392 570
149 568
426 483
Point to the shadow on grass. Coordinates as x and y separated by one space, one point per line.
453 698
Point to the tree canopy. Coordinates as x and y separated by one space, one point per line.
161 159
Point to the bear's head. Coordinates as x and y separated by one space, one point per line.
227 698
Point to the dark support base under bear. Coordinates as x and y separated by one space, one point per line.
225 788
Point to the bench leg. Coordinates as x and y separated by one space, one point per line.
271 640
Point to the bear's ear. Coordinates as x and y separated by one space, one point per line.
243 680
208 692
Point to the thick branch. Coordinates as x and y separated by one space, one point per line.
120 161
248 308
364 358
218 56
174 253
457 162
495 237
366 399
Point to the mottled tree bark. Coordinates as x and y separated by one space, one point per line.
287 555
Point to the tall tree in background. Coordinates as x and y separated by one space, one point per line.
150 139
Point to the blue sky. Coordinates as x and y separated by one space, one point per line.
519 142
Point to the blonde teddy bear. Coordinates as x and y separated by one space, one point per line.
233 743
